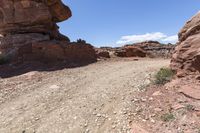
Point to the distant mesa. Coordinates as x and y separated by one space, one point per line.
29 32
152 49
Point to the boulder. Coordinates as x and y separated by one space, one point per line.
134 51
130 51
102 53
120 52
80 53
52 51
186 58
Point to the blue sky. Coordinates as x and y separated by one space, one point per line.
116 22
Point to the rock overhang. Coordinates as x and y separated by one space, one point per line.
34 15
29 31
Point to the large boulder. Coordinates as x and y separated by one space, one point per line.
120 52
61 51
102 53
28 30
134 51
186 58
130 51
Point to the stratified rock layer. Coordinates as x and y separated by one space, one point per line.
32 16
146 49
186 58
28 30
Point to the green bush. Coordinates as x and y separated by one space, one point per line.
163 76
189 107
167 117
3 60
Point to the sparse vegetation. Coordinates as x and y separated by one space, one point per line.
167 117
3 60
81 41
189 107
163 76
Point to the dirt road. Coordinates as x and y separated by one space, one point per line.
95 98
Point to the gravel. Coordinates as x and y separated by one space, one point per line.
86 99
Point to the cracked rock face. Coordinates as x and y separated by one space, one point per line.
186 58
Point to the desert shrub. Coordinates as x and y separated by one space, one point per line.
3 60
163 76
81 41
189 107
167 117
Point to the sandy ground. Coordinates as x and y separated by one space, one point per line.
94 98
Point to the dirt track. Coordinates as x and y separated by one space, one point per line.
95 98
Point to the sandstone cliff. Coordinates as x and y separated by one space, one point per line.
28 31
186 58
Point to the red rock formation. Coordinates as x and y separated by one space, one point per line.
186 58
102 53
155 49
130 51
32 16
28 30
146 49
120 52
134 51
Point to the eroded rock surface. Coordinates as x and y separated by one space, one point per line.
134 51
32 16
146 49
29 31
156 49
186 58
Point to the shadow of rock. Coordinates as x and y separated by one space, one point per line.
10 70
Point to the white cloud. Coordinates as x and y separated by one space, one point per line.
157 36
171 39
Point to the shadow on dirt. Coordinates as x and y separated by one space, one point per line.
11 70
